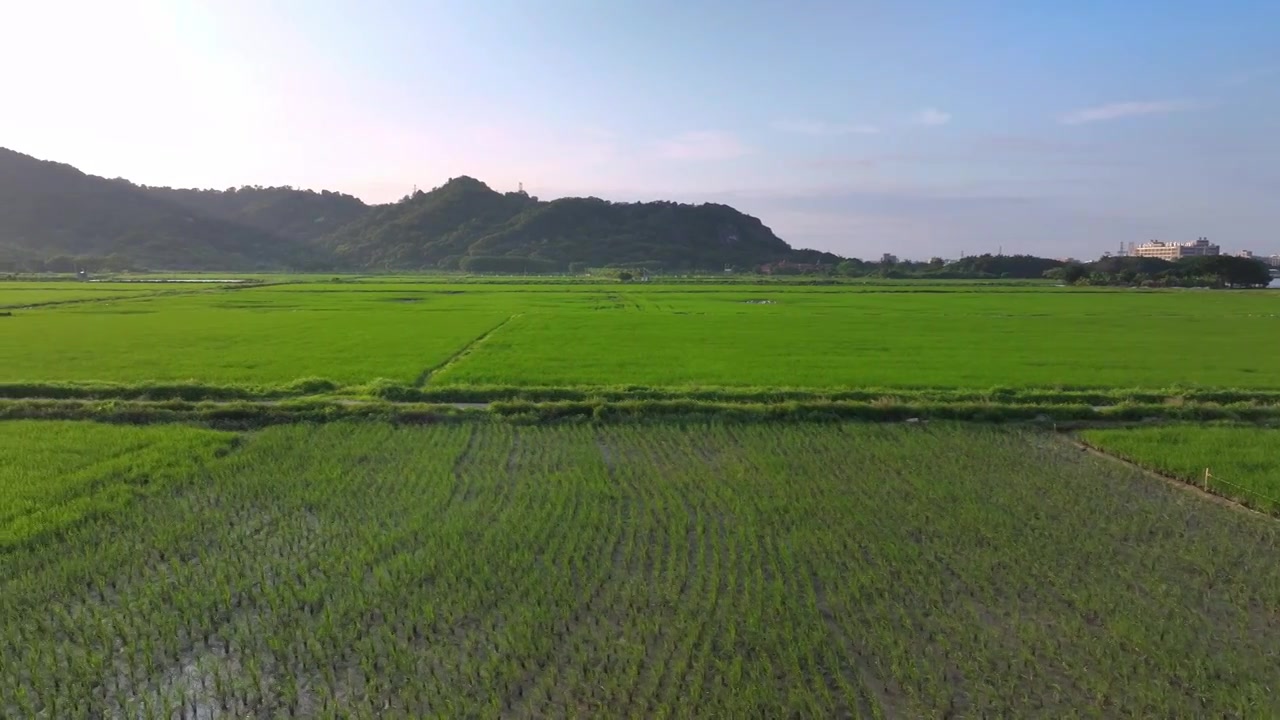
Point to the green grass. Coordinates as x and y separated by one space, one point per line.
56 473
1243 461
484 570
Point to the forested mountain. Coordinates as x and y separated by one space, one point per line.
422 229
464 221
52 216
53 212
666 234
296 214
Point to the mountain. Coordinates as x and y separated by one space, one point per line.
465 220
304 215
51 211
422 229
55 217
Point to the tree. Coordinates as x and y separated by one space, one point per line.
578 268
1225 270
1012 266
853 267
625 276
1073 273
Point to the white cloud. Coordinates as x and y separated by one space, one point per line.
702 145
1113 111
931 117
824 129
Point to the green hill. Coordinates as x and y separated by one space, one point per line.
304 215
55 217
421 230
53 214
466 220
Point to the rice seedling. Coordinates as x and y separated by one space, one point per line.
488 569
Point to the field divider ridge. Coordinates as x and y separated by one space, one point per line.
462 352
144 295
423 406
1179 482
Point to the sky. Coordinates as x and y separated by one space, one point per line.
859 127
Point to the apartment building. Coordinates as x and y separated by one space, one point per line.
1174 251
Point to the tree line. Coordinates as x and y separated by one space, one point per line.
1207 271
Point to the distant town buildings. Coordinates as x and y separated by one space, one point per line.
786 267
1174 251
1270 261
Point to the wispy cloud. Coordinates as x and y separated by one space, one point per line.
824 129
931 117
702 145
1114 111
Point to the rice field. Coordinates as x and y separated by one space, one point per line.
27 294
55 474
1243 463
676 335
233 337
484 569
640 500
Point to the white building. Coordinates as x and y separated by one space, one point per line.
1271 261
1174 251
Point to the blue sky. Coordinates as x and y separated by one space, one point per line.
858 127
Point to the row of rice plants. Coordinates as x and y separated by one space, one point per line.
55 473
482 569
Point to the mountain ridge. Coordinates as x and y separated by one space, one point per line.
53 212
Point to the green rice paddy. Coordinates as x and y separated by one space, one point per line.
411 497
582 335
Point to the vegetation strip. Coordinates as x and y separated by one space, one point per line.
391 391
248 413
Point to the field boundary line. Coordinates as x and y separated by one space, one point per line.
175 292
462 352
1185 485
104 299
